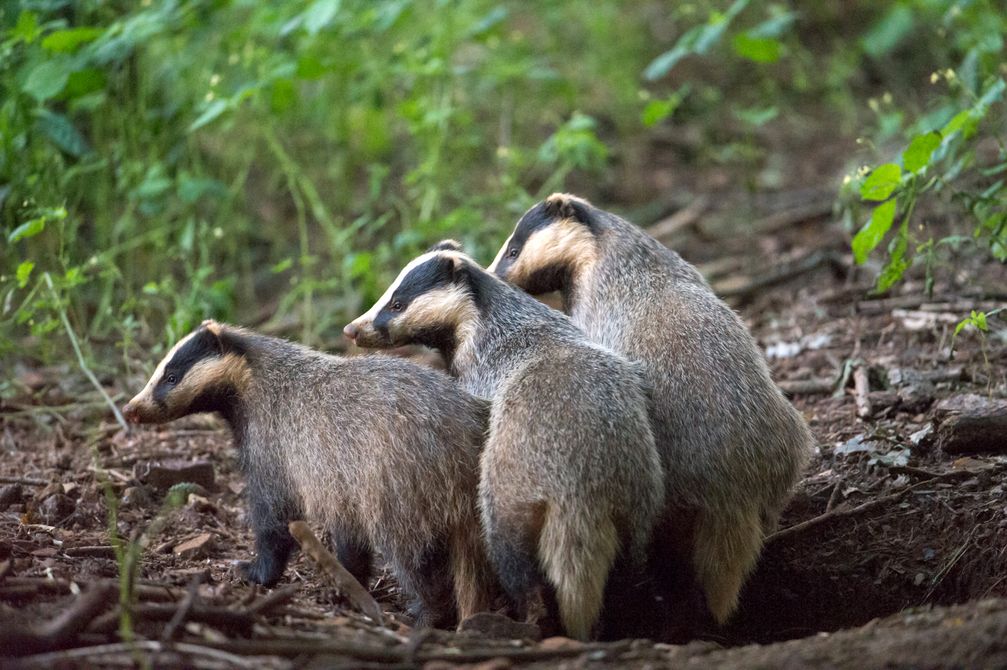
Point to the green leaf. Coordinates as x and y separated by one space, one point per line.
757 116
27 229
897 263
46 80
917 154
979 319
62 133
67 41
319 15
889 32
215 109
697 40
962 121
757 49
882 181
282 266
84 82
24 273
873 231
26 28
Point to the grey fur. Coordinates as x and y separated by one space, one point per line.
570 459
382 452
732 445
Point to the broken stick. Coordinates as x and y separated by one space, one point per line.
344 581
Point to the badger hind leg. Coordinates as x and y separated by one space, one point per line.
577 551
726 549
354 552
512 533
426 578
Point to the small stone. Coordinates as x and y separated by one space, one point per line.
136 496
197 547
165 475
11 494
498 626
56 508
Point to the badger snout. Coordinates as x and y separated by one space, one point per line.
351 331
131 412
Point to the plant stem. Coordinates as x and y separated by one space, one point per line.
80 356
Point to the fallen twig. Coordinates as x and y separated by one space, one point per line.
366 652
25 481
861 389
184 607
90 552
221 618
124 654
344 581
159 593
681 219
859 509
807 386
64 628
778 274
277 597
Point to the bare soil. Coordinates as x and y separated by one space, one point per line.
892 554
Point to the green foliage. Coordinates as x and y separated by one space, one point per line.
168 161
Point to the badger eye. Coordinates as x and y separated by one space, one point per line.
512 253
396 306
171 379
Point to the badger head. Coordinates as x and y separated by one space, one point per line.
203 372
431 302
551 245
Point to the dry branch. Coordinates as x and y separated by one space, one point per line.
64 628
221 618
344 581
865 507
778 274
681 219
862 389
274 599
807 386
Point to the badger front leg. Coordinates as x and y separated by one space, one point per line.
273 542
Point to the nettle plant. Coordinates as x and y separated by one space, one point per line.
938 164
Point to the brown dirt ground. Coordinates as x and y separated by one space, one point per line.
917 580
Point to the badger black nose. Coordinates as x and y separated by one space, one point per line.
129 413
351 331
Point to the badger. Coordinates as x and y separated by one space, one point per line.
571 482
383 453
732 446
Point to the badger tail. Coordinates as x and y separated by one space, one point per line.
726 549
473 575
577 552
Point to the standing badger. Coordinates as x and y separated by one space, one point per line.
731 444
382 452
571 480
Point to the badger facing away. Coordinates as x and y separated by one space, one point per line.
571 480
732 445
382 452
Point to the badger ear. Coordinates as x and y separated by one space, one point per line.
566 206
446 245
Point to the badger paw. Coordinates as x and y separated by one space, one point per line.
258 571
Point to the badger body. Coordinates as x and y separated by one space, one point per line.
732 446
571 482
381 452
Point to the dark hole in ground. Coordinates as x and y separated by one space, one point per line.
943 544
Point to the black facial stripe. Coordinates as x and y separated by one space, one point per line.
430 275
200 346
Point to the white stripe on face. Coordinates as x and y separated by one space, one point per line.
147 394
367 318
500 254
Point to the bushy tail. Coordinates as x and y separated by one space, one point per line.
726 549
577 551
474 582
